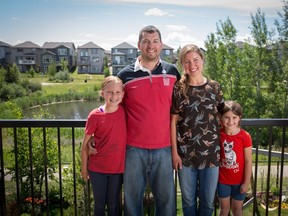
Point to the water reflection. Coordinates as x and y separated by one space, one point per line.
69 110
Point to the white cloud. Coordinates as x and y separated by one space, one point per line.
155 12
176 39
175 28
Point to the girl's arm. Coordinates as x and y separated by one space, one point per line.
84 157
248 169
177 162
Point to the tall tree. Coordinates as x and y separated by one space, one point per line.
222 58
261 38
282 48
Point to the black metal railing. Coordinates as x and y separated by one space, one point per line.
27 187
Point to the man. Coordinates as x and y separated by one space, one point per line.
148 85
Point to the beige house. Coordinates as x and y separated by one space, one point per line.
90 58
26 55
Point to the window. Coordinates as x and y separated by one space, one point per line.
84 69
84 58
167 52
47 59
95 69
130 51
62 51
95 59
29 58
19 50
94 51
84 53
130 60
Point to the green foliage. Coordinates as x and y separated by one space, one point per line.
12 86
31 86
52 69
251 75
11 91
63 76
10 110
31 72
64 66
12 75
105 60
37 152
81 185
106 72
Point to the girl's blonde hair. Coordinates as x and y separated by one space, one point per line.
110 79
184 81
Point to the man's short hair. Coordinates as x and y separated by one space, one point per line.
149 29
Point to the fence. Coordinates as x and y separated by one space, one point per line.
27 186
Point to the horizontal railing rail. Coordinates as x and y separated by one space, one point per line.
26 187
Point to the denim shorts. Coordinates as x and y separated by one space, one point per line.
233 191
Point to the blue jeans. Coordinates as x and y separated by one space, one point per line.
106 191
201 183
153 166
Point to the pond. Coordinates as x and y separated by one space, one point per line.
67 110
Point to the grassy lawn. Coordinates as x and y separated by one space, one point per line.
78 84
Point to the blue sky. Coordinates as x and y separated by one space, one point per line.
108 23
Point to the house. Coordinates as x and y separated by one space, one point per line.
26 55
58 52
5 54
167 53
122 55
90 59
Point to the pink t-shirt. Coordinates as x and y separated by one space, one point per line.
232 163
110 138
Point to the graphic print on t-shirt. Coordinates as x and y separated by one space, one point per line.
230 155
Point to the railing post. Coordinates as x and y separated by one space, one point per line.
2 182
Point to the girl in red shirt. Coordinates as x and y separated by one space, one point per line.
105 166
235 160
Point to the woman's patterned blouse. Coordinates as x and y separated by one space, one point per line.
198 124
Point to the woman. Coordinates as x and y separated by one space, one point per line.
195 133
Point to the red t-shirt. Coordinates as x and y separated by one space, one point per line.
110 138
232 163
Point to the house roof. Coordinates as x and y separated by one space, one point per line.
167 47
48 52
27 44
53 45
3 44
90 45
124 45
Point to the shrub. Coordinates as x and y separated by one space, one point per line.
11 91
63 76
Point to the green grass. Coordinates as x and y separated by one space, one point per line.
78 84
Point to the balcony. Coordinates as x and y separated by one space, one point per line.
40 168
27 62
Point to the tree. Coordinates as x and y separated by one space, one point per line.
12 75
262 38
222 59
52 70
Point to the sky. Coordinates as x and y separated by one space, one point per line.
108 23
